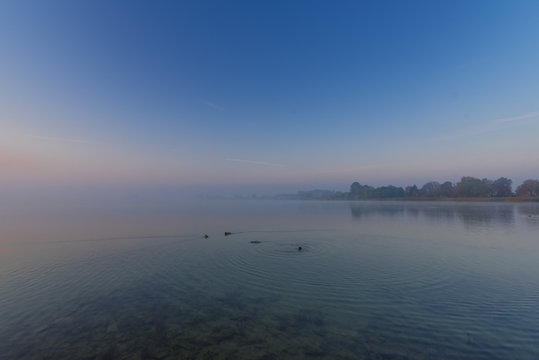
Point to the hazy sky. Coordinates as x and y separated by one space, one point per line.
267 94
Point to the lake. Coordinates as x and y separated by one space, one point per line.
373 280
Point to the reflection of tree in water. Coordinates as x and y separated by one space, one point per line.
370 209
441 212
412 212
483 214
471 214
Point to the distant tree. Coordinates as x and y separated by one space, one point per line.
358 191
411 191
469 186
529 187
390 191
502 187
487 187
447 190
339 195
430 189
355 188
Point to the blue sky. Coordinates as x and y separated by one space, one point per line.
267 95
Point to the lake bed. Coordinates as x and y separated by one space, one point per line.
373 280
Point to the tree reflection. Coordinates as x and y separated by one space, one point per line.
471 214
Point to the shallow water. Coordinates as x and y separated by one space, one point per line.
374 280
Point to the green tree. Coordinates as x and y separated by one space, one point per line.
355 188
388 192
502 187
447 190
358 191
469 186
430 189
411 191
529 187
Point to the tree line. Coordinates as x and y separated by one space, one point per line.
467 187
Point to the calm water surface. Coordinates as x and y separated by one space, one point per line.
374 280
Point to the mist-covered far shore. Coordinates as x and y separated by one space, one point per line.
468 188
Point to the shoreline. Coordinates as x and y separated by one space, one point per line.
463 199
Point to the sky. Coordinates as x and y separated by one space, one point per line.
266 96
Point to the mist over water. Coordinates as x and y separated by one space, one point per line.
137 279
